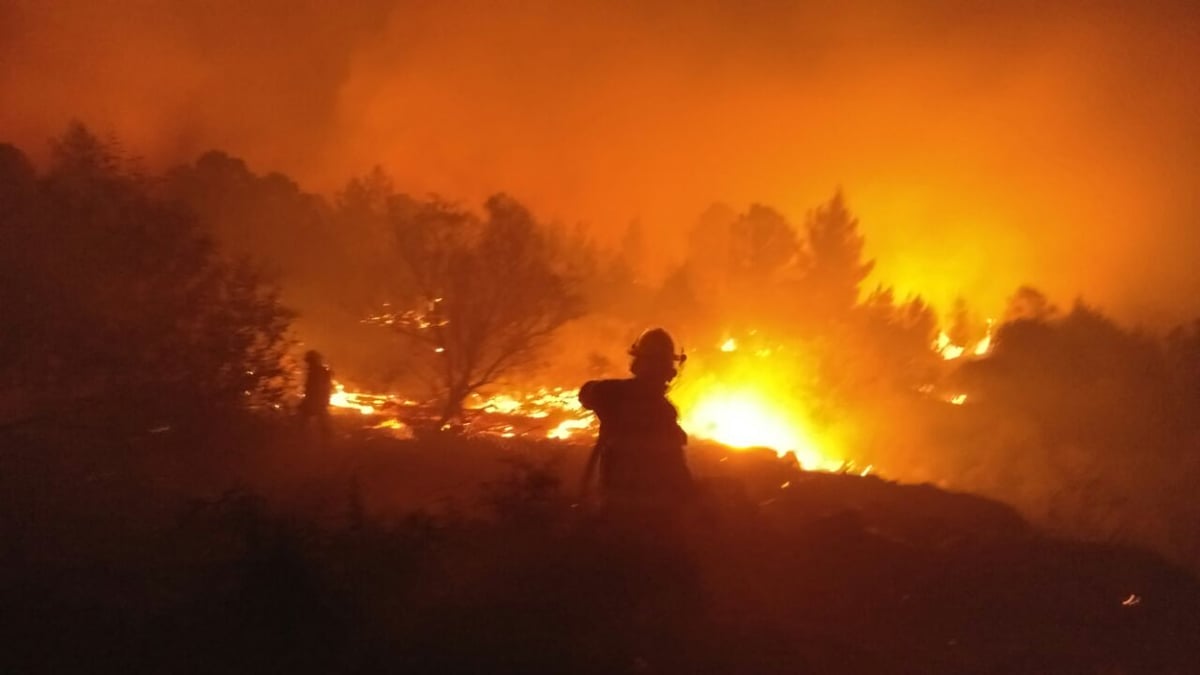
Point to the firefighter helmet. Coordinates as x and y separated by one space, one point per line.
655 343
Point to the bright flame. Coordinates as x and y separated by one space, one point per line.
566 428
950 351
397 428
753 397
985 345
501 403
742 416
946 348
545 402
351 400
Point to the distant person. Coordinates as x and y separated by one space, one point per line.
640 449
318 388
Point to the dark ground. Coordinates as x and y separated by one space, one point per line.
247 551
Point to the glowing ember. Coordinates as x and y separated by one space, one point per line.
729 345
959 399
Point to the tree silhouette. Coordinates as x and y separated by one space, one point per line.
836 269
761 242
1028 303
899 334
266 217
481 295
126 303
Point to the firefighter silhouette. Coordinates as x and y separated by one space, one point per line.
640 449
318 388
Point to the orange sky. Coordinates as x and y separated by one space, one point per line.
981 147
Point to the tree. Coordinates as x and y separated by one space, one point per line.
900 330
836 268
127 304
761 242
1028 303
708 244
482 296
263 216
1183 350
960 325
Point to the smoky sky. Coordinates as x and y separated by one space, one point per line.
982 145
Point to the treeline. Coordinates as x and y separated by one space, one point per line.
116 299
131 273
1086 424
161 296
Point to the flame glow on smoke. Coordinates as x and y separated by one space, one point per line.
743 416
752 396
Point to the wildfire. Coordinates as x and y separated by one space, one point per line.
352 400
985 345
372 406
945 346
741 416
740 395
544 403
566 428
747 398
499 414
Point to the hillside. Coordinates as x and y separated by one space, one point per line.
248 552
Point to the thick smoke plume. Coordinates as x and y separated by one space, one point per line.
983 146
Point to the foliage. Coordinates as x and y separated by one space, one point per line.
481 295
121 299
835 250
266 216
834 574
1086 425
895 337
762 242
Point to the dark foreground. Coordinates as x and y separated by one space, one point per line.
151 554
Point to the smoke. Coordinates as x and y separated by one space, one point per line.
982 147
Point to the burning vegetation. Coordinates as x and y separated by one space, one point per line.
321 418
451 329
436 317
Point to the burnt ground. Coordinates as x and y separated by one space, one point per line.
248 550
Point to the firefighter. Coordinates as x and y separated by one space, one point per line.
318 388
640 449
